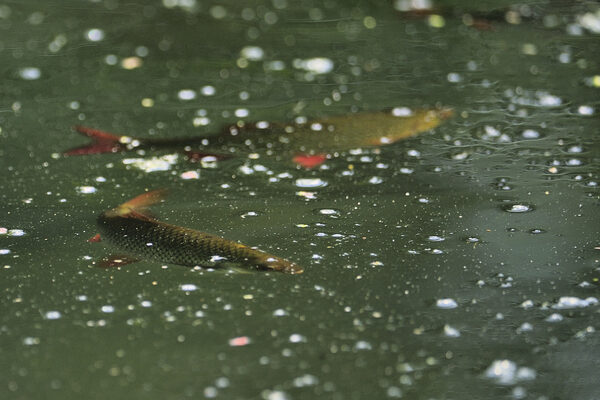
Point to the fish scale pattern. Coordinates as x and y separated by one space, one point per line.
151 239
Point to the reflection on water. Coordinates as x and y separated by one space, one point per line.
460 262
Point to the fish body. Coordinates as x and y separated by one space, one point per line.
131 230
320 136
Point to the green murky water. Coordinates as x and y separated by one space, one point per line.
462 263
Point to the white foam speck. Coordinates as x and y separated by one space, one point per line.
310 182
446 303
86 189
30 73
505 372
186 94
53 315
450 331
188 287
567 302
252 53
94 35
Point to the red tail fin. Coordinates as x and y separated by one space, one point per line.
102 142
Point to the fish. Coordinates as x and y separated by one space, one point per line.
130 228
311 143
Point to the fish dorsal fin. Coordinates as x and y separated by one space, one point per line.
137 207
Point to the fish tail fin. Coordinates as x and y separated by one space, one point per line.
102 142
137 207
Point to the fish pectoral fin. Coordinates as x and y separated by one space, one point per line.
102 142
115 261
309 160
96 238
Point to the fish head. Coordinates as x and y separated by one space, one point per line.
270 262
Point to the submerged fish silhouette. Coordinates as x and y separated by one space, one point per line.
131 229
310 142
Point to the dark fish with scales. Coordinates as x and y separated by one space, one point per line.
131 229
309 144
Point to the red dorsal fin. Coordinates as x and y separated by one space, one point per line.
102 142
310 160
137 207
96 238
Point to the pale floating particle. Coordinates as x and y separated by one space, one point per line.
31 341
107 309
413 153
369 22
53 315
146 303
454 77
328 211
305 380
585 110
201 121
555 317
208 90
527 304
401 112
530 134
252 53
147 102
529 49
152 164
94 35
199 314
297 338
275 65
525 327
280 312
186 94
446 303
553 170
241 112
142 51
436 21
406 171
188 287
100 179
130 63
518 208
16 232
395 391
310 182
276 395
4 252
435 238
239 341
86 189
502 372
460 156
575 149
375 180
316 65
30 73
450 331
362 345
548 100
111 59
567 302
307 195
218 12
190 175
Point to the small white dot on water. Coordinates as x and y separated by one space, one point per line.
53 315
208 90
530 134
30 73
186 94
4 251
310 182
446 303
252 53
107 309
85 189
518 208
554 318
241 112
188 287
297 338
94 35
